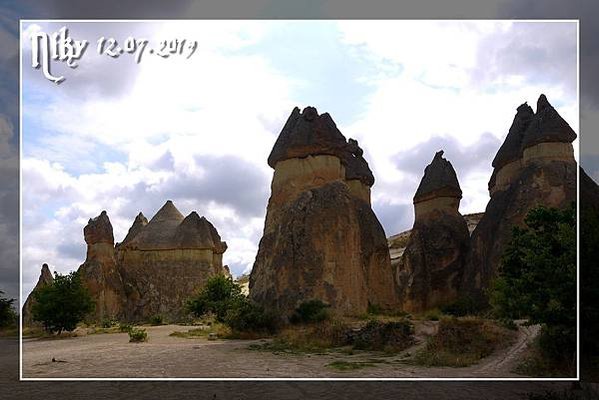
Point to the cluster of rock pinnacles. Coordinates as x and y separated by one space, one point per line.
321 238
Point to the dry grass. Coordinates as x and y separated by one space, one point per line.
461 342
342 336
222 332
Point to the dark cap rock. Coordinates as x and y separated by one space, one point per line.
308 133
547 126
439 180
511 149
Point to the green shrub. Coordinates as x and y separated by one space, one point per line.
156 320
219 295
62 304
124 327
107 323
137 335
310 311
250 317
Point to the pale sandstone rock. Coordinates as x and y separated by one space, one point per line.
321 239
539 169
429 272
45 279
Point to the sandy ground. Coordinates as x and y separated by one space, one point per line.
11 388
163 356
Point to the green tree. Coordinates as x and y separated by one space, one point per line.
537 278
218 296
7 313
63 304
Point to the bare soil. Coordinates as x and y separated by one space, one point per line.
164 356
12 388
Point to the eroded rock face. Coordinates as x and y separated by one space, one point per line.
155 269
165 261
535 166
430 270
321 239
99 272
45 279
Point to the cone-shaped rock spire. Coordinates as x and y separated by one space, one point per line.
547 126
138 224
511 149
439 180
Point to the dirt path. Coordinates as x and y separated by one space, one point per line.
111 355
11 388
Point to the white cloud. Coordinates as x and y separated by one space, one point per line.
126 137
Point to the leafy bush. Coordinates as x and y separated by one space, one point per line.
219 295
138 335
537 279
250 317
222 297
310 311
62 304
107 323
124 327
8 317
156 320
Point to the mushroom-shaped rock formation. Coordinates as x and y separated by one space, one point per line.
430 271
45 279
310 151
99 271
534 166
439 187
165 261
321 239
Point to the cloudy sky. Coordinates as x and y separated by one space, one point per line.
125 137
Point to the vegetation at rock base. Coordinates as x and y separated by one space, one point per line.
138 335
222 297
537 280
461 342
216 328
217 297
61 305
336 335
8 316
310 311
156 320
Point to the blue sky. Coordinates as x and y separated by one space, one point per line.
125 137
